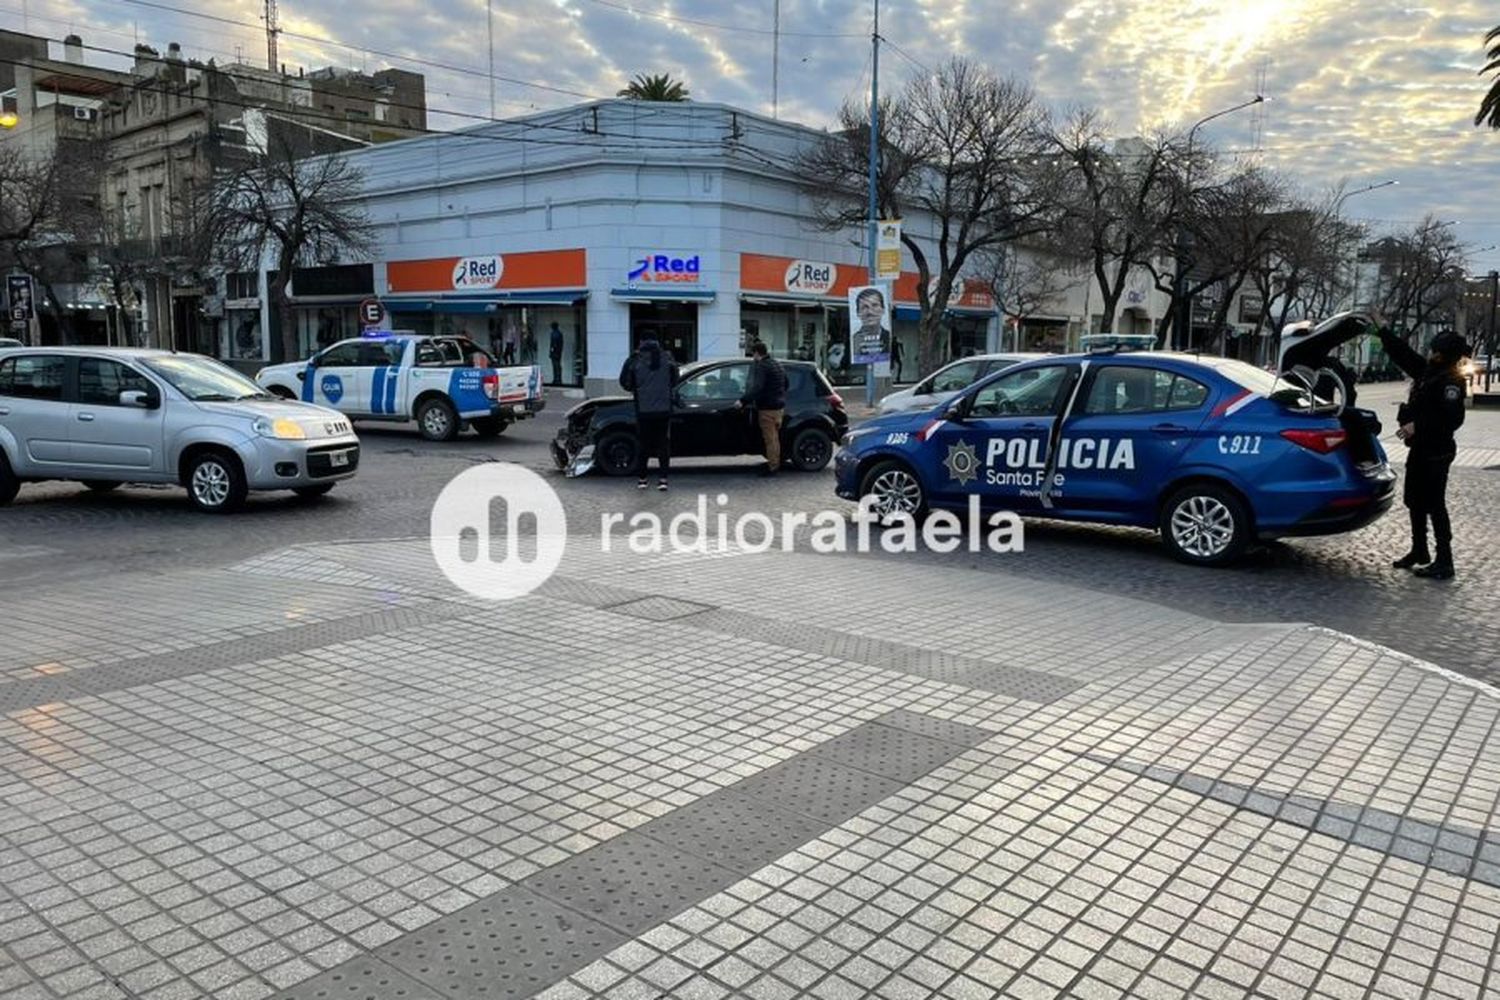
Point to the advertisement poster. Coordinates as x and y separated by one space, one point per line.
870 327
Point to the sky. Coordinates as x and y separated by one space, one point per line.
1358 92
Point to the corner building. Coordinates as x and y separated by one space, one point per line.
621 220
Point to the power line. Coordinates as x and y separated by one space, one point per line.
719 26
321 40
907 56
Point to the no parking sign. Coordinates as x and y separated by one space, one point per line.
371 312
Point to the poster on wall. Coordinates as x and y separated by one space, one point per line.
870 327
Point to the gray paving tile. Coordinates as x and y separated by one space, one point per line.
361 978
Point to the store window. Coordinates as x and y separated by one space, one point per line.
242 335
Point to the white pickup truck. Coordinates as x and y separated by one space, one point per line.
440 382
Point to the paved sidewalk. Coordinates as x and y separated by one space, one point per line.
727 775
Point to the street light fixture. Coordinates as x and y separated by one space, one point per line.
1181 333
1350 194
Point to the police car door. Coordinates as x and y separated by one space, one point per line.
330 379
380 373
997 443
1129 429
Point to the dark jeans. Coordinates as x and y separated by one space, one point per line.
655 440
1425 495
557 369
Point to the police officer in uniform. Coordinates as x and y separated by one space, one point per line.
1430 416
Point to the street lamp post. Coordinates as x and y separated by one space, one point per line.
1337 208
1181 335
1489 347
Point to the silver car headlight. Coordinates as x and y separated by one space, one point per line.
281 429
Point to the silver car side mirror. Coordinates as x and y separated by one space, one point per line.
138 398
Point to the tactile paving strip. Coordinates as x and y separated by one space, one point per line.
512 944
659 609
137 671
362 978
528 936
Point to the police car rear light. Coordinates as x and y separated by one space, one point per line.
1321 442
491 385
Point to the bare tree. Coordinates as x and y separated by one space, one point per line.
1116 202
1304 268
305 210
1222 213
1026 279
1420 274
960 148
49 213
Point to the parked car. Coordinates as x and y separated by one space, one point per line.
109 416
1212 452
950 379
601 433
443 383
8 342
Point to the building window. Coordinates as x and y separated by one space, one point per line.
241 285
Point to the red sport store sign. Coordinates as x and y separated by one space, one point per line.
822 280
544 269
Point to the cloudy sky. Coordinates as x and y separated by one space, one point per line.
1359 91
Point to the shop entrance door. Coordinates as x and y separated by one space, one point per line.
673 324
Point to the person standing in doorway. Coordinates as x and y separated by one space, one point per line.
766 392
650 375
895 360
555 349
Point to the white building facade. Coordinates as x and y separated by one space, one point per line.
621 220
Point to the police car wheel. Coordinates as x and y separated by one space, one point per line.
1205 525
616 454
812 449
9 484
488 427
437 420
216 484
895 489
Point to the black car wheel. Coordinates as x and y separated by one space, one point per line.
437 420
616 453
812 449
9 484
488 427
1205 525
895 489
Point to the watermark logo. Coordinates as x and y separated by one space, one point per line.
502 564
499 531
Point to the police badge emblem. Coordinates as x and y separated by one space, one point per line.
962 463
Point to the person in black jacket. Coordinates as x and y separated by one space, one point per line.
766 391
1428 419
650 374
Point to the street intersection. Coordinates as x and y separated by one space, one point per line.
279 755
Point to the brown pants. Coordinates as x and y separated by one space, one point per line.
770 431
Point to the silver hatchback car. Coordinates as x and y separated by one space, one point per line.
108 416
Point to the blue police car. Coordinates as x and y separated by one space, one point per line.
1214 453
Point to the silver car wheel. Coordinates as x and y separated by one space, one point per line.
210 483
435 421
896 491
1202 526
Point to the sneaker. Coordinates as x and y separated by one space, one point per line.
1411 559
641 484
661 484
1436 571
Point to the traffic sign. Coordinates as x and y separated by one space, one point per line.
371 312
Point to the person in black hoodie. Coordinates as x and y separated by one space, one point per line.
766 392
1430 416
650 375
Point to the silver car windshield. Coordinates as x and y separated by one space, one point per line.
205 380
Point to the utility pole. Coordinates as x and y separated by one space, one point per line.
273 28
490 12
874 170
775 56
1489 349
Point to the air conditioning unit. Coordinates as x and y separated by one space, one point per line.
83 114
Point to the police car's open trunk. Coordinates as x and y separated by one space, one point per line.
1305 365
